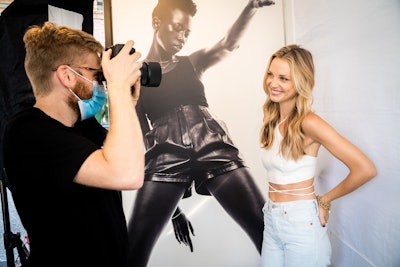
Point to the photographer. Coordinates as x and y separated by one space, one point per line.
64 178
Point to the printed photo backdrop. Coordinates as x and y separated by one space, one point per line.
235 94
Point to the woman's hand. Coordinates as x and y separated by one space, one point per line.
261 3
182 229
323 216
324 210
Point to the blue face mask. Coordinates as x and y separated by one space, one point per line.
90 107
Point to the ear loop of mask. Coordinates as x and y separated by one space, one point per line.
80 75
90 107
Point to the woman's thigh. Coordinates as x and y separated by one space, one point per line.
294 236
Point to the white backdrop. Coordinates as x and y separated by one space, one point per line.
356 50
235 94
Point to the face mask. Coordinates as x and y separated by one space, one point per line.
90 107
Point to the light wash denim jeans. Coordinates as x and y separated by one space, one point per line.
293 235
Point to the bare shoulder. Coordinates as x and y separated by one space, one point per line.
312 122
316 127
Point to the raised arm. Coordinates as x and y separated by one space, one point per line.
120 163
231 41
207 57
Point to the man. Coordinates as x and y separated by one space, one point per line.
64 179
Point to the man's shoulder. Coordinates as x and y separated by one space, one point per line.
25 114
31 121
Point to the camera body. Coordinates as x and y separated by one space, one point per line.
150 71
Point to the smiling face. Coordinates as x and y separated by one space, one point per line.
280 84
173 30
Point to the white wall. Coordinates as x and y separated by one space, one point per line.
356 50
235 94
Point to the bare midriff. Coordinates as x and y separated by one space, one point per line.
291 192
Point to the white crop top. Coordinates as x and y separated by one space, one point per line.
286 171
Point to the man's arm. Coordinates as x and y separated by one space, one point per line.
120 163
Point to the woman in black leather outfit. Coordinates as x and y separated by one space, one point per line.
186 146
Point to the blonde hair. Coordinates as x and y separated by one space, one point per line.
49 46
302 71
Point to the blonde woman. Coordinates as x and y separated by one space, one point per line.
291 136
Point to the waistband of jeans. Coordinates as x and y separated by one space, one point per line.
289 204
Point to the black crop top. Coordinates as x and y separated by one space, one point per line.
180 86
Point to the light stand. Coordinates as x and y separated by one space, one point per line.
11 240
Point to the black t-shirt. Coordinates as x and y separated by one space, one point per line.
67 224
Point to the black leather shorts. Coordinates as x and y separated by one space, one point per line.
189 145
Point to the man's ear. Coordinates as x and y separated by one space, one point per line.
156 23
64 76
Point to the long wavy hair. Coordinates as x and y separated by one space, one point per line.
302 71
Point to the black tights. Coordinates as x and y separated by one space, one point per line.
155 203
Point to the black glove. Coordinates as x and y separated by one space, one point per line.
181 228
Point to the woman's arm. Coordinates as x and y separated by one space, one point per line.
207 57
361 168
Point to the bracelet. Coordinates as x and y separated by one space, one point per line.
176 216
323 204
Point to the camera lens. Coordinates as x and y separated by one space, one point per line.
151 74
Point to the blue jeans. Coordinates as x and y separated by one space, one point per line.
293 235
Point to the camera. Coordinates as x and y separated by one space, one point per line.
150 71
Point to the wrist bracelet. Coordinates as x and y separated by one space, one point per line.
176 216
323 204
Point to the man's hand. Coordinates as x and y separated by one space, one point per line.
182 228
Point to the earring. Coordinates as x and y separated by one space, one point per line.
156 23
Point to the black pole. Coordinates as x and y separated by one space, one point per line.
11 240
7 236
